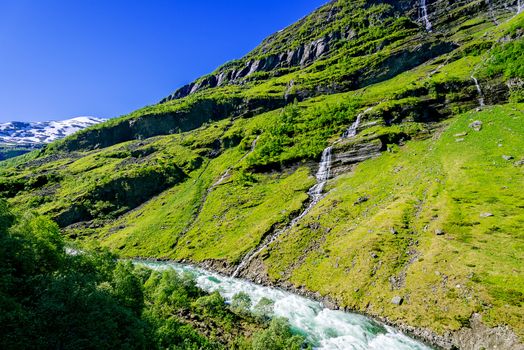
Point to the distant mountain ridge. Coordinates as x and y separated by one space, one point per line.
39 133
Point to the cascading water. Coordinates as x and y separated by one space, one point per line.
323 173
425 16
323 328
353 129
315 193
479 90
519 6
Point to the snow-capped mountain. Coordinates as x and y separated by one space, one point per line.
38 133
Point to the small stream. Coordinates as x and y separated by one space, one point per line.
325 329
315 194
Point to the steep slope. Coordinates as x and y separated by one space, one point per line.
414 109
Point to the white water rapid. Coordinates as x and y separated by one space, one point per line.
479 90
323 328
425 17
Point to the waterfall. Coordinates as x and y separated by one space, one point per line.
425 17
315 193
353 129
324 171
519 6
479 90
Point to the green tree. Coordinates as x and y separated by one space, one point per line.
241 303
127 287
264 308
277 336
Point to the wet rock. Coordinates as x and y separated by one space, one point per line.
461 134
476 125
506 157
519 163
397 300
486 215
393 231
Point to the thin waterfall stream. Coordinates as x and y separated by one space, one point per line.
479 90
425 16
323 328
315 195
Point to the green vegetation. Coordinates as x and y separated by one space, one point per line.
421 205
443 214
85 300
11 151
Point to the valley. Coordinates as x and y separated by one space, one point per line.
369 156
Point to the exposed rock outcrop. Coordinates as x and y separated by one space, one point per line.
442 13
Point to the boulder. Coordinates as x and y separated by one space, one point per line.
439 232
397 300
476 125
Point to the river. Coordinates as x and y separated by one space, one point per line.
325 329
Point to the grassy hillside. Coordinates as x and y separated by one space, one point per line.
421 205
442 215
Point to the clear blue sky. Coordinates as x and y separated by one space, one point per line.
105 58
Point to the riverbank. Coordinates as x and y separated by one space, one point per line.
328 326
467 338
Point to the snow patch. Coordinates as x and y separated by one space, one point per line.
30 133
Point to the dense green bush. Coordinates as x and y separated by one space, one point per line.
301 134
277 337
89 300
506 60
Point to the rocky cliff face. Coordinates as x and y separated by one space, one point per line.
343 46
286 55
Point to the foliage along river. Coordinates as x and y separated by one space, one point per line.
322 327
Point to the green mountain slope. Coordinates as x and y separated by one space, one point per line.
423 205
